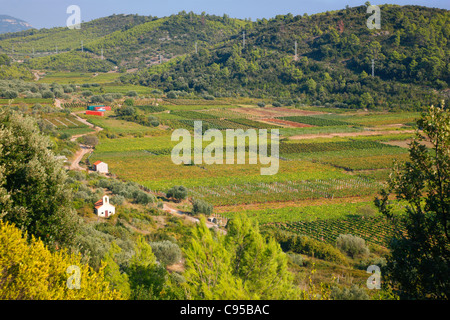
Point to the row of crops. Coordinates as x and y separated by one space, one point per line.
151 108
287 148
288 190
316 121
64 122
376 230
73 105
222 124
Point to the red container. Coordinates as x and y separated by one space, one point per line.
95 113
104 108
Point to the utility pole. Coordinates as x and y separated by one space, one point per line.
160 59
196 47
82 49
102 54
373 68
56 49
296 46
374 56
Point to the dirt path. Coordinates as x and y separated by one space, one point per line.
184 215
75 165
349 134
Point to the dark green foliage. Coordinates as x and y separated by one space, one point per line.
352 245
5 60
33 183
305 245
200 206
166 252
333 63
177 192
419 262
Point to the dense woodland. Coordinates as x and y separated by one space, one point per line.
334 61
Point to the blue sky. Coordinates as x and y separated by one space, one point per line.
52 13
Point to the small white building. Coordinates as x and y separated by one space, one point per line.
100 167
104 209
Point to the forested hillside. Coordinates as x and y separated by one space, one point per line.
127 41
335 50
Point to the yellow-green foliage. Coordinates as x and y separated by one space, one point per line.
29 271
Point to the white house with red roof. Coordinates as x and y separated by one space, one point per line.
101 167
104 209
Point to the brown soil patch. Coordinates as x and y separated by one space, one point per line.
405 143
348 134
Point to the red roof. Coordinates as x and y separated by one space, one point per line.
98 204
97 163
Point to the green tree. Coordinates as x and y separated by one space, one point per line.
420 250
177 192
208 268
200 206
352 245
147 278
117 279
38 199
260 264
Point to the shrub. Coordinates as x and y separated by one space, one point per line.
166 252
144 198
10 94
208 97
352 245
132 93
97 99
276 104
129 102
177 192
47 94
297 259
117 200
31 271
200 206
304 245
354 293
172 95
261 104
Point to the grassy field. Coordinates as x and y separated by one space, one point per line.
308 169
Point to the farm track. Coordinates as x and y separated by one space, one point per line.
75 164
184 215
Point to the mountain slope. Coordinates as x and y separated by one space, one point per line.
11 24
335 50
129 41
